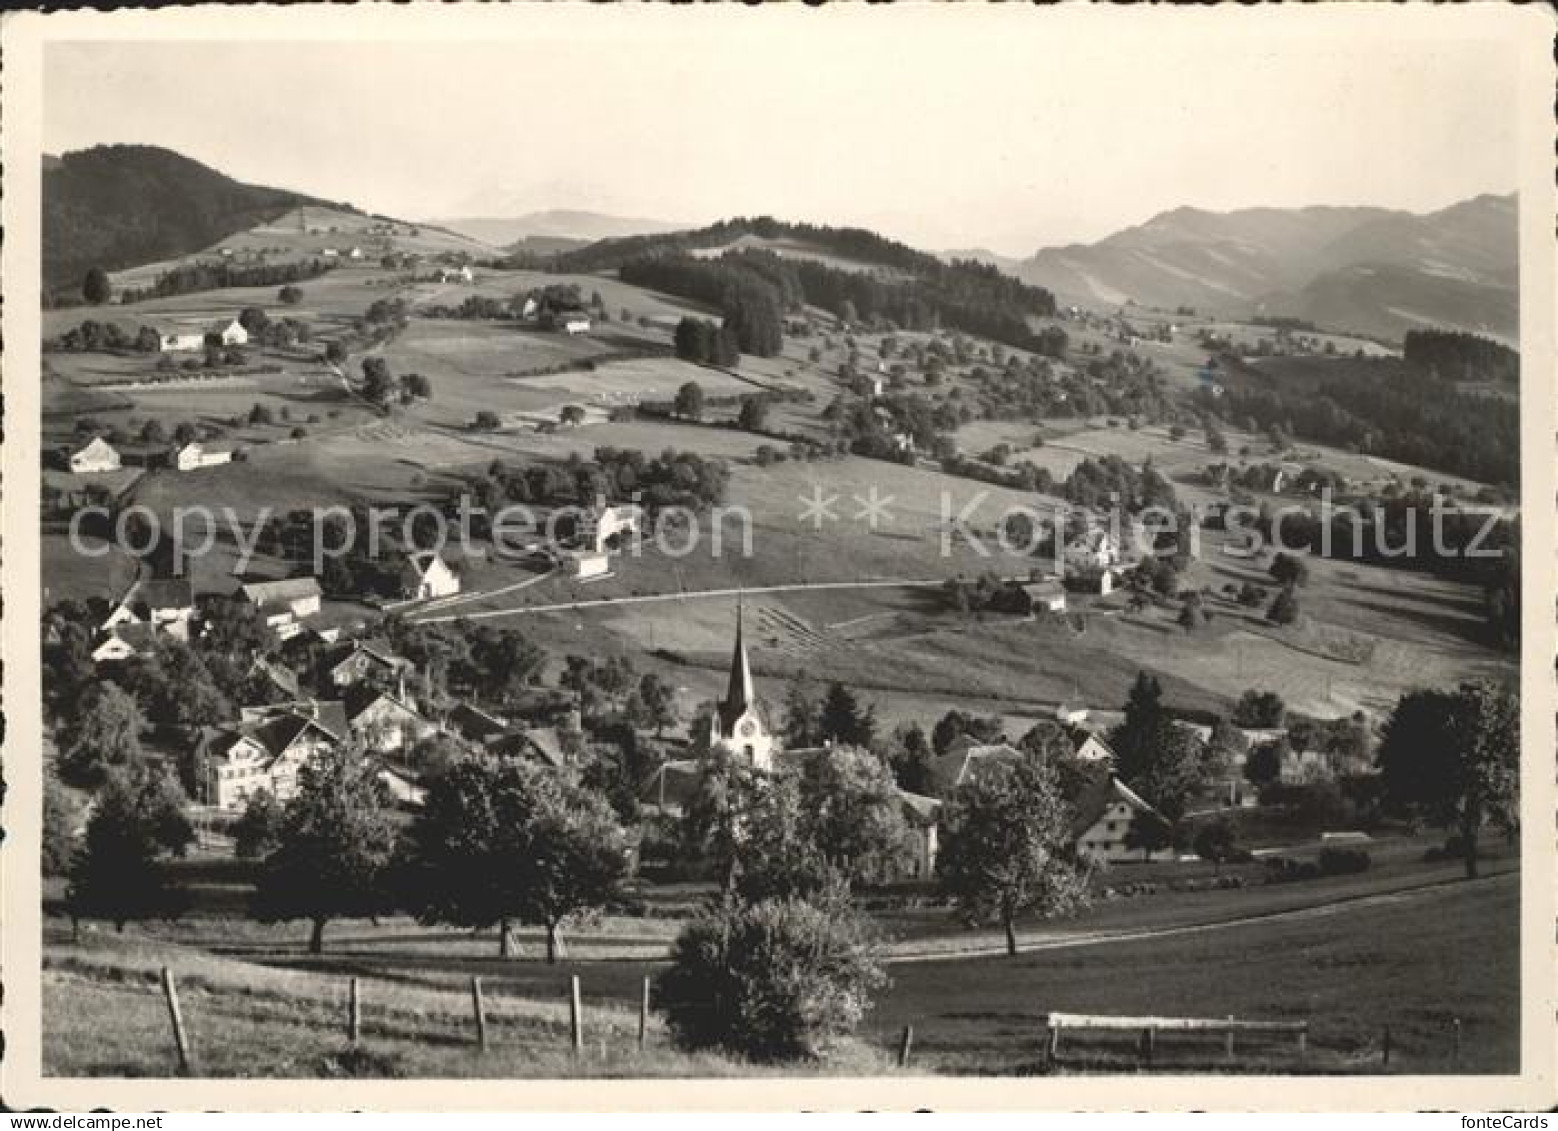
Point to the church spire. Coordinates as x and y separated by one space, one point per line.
739 694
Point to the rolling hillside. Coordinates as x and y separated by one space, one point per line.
116 206
1369 270
567 226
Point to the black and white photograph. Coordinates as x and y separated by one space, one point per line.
988 547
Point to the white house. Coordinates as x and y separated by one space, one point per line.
163 604
383 721
1093 550
355 253
233 334
95 455
1047 596
264 752
586 565
1106 813
124 641
183 343
427 576
573 322
284 603
462 274
193 455
530 309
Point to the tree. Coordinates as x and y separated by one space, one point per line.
843 719
954 724
775 980
1159 760
290 295
1284 609
1453 759
377 383
152 432
118 875
1005 849
258 831
1148 834
104 735
1260 709
571 414
800 716
499 840
1216 442
337 842
689 401
1289 569
61 820
912 759
657 703
253 319
414 386
335 352
95 288
1216 841
753 414
1264 763
852 816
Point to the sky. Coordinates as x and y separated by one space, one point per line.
1008 128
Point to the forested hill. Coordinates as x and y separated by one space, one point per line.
117 206
851 272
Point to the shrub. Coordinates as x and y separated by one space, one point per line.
776 980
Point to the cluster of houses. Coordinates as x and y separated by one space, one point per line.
97 456
1106 809
153 606
230 333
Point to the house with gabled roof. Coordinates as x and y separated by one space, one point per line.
967 757
1105 811
167 604
357 662
265 751
427 575
124 641
285 602
383 721
96 455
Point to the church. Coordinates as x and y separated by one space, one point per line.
736 725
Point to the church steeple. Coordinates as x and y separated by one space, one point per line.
739 694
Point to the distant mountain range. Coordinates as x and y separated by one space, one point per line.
1371 270
556 229
117 206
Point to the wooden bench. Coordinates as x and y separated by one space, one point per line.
1150 1027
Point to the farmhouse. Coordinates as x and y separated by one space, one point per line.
263 752
1106 810
572 321
284 603
163 604
1047 596
1095 550
923 817
586 565
535 744
427 575
124 641
233 334
356 663
94 456
384 722
193 455
183 343
461 274
965 758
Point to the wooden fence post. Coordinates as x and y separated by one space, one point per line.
576 1016
1455 1026
1303 1039
1054 1041
905 1044
480 1008
1385 1046
643 1014
353 1012
180 1037
1229 1047
1148 1039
